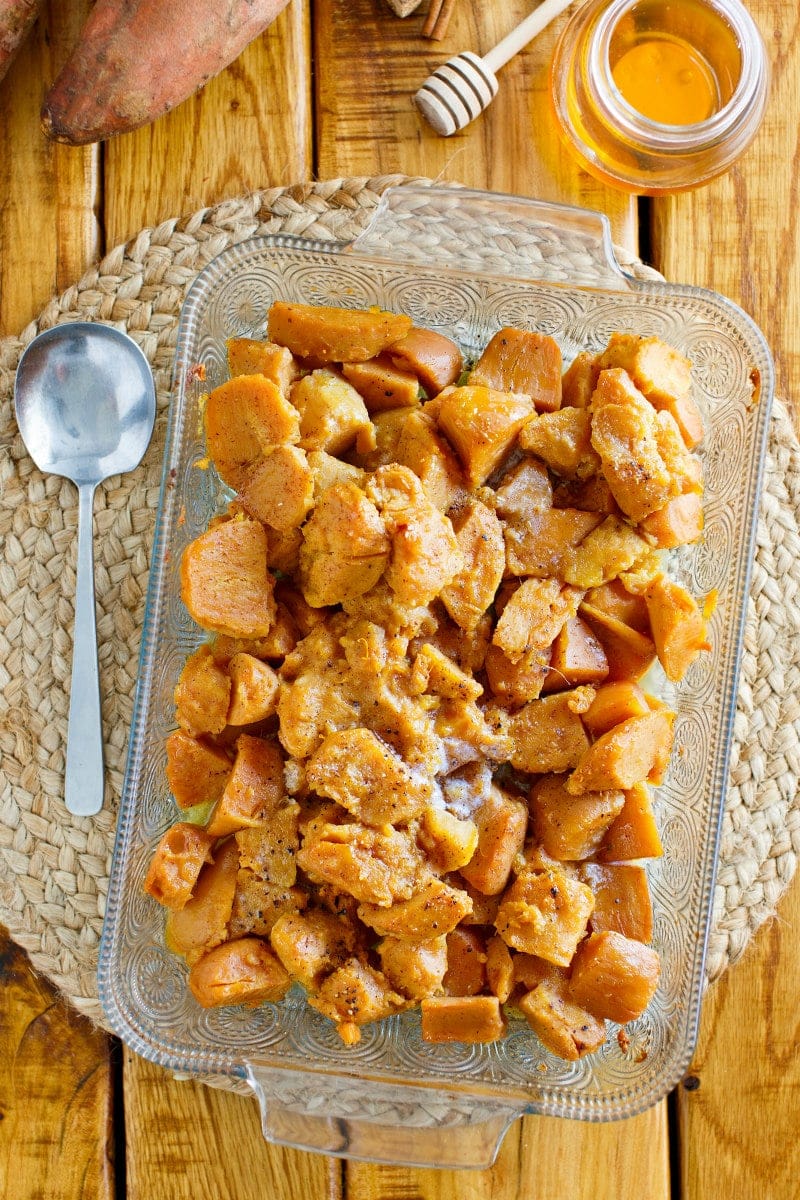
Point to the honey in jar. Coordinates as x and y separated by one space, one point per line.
659 95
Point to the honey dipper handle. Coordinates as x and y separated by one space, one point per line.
513 42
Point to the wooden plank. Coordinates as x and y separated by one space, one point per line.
248 128
186 1139
542 1158
370 64
55 1091
48 218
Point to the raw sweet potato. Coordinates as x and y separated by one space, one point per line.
176 864
240 972
462 1019
334 335
135 61
614 977
16 18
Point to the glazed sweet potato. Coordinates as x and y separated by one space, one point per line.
571 827
548 734
246 356
254 787
176 864
614 703
480 539
562 440
466 963
202 922
577 657
421 448
678 523
241 972
334 335
482 425
312 944
243 419
433 911
545 912
501 822
196 770
415 969
332 413
354 995
561 1024
279 488
679 630
253 690
662 374
546 543
382 384
135 62
462 1019
634 833
628 754
630 654
225 583
434 359
614 977
367 777
202 694
345 547
522 361
621 900
16 18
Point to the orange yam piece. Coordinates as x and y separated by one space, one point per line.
545 912
502 822
515 683
332 413
433 358
615 600
241 972
312 944
269 848
577 657
176 864
569 827
366 776
327 334
606 551
548 735
621 900
482 426
279 488
562 439
524 490
480 539
614 977
353 995
466 963
415 969
533 616
435 910
679 630
253 690
579 381
678 523
624 756
202 694
467 1019
429 456
243 418
249 357
630 654
225 583
382 384
202 922
518 360
258 905
662 374
499 968
254 788
561 1025
377 867
196 771
634 833
345 547
543 546
614 703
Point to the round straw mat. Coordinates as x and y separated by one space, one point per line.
53 867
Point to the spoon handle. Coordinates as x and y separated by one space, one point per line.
83 792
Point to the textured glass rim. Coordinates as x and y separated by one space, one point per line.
559 1100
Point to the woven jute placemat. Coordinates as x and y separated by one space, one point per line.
54 868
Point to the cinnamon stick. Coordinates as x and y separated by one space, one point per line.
443 20
432 17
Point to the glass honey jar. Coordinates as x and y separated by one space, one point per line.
657 96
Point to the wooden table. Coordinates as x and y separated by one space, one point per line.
80 1117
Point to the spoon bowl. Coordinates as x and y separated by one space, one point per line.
85 403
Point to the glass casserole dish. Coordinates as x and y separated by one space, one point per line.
466 264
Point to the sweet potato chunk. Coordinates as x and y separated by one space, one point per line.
448 841
577 657
634 833
679 630
678 523
367 777
249 357
332 413
502 822
621 900
462 1019
376 867
499 968
202 922
533 616
312 944
254 788
545 912
258 905
562 440
571 827
241 972
196 771
327 334
561 1025
630 654
614 599
176 864
662 374
253 689
243 418
429 456
225 583
614 977
202 694
607 550
433 358
628 754
415 969
382 384
525 490
354 995
279 488
614 703
480 539
482 426
466 963
345 547
515 683
269 849
548 541
579 381
523 361
434 911
548 734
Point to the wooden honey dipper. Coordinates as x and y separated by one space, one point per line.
464 87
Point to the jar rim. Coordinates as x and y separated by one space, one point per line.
662 136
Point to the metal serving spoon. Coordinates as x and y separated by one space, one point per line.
85 404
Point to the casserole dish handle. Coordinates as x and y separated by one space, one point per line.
528 240
378 1121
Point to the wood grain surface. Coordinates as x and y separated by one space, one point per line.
325 98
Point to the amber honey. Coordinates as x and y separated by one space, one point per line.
659 95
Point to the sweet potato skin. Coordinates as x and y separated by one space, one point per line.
135 61
16 18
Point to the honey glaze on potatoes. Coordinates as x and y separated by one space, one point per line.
418 734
